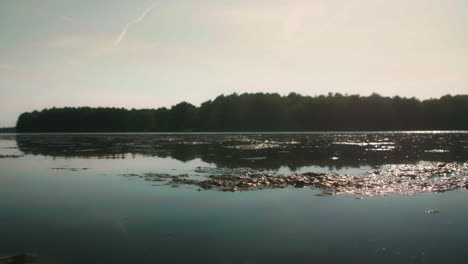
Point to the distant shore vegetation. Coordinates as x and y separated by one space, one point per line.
262 112
7 130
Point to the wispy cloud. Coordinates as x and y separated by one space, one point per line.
137 20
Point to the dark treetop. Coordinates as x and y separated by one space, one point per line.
262 112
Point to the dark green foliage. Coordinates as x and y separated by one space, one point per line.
262 112
7 130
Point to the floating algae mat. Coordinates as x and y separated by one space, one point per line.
398 179
18 259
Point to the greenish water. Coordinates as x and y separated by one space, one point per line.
66 199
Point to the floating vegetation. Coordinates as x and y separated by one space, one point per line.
259 145
281 150
398 179
437 151
254 146
382 148
71 169
156 177
362 144
18 259
255 158
219 171
10 156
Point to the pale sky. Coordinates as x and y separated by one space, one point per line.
149 54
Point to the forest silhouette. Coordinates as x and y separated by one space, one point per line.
7 130
262 112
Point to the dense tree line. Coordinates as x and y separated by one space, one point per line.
262 112
7 130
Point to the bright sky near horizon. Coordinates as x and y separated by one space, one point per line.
149 54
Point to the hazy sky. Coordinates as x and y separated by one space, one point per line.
148 54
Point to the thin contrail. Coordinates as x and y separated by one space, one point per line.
134 21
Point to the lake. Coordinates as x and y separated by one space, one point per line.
358 197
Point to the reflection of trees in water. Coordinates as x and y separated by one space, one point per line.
259 151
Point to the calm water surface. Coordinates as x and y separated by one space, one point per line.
67 199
